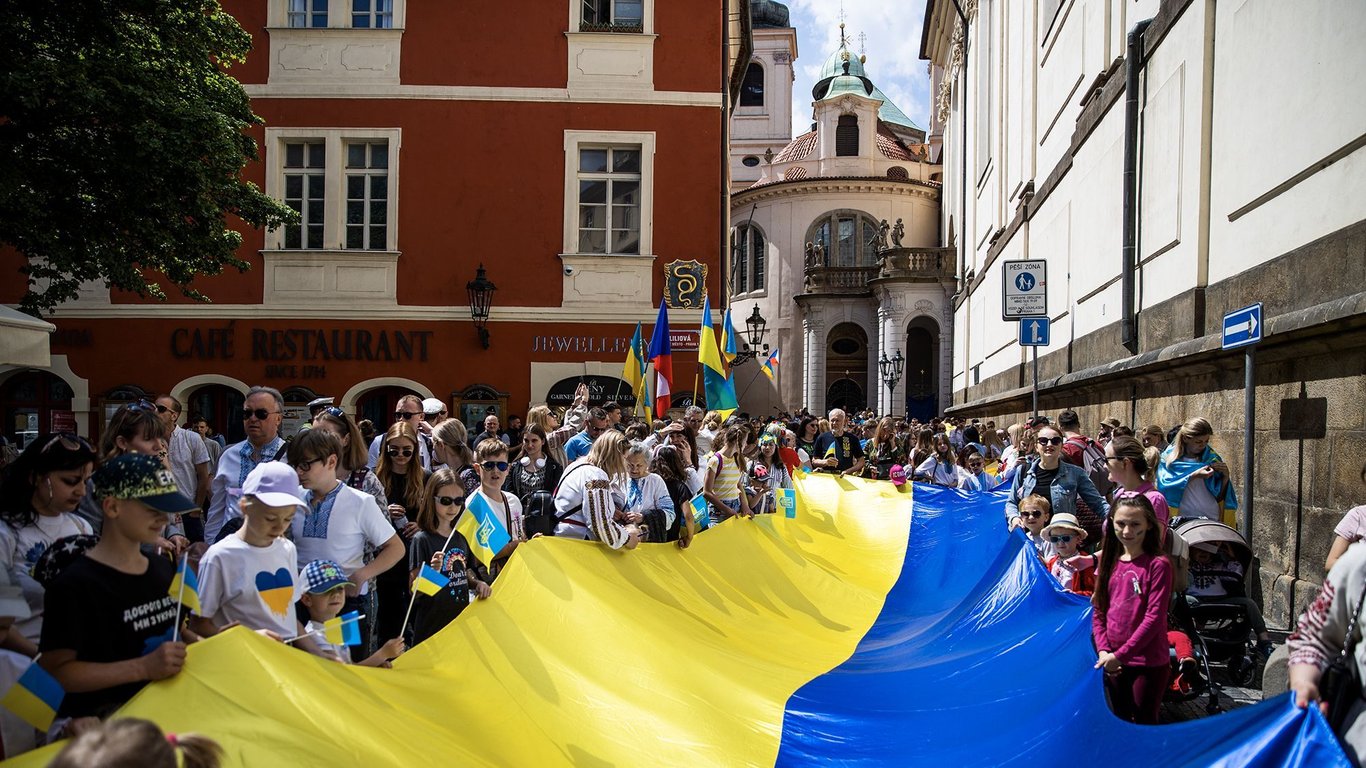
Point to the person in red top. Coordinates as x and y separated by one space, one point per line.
1075 570
1129 623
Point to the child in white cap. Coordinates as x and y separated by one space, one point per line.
1073 568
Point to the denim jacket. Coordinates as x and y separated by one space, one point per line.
1071 481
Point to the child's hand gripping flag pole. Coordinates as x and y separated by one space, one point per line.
35 697
429 581
185 587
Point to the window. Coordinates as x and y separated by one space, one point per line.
372 14
307 13
609 200
752 88
304 182
986 69
1048 13
846 136
367 195
342 183
612 16
853 234
748 247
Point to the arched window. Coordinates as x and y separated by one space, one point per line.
752 88
847 238
846 136
749 246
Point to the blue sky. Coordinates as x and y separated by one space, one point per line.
891 42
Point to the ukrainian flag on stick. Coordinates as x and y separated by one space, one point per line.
344 629
429 581
770 364
35 697
482 529
633 372
729 351
719 388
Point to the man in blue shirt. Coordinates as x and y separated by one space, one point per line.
578 445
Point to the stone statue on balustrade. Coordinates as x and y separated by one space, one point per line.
879 241
898 232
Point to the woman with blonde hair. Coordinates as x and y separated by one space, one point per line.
1194 480
588 502
558 434
352 468
400 470
131 742
450 446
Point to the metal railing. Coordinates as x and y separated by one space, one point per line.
911 264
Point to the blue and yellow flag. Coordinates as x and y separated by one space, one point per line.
633 371
344 629
35 697
719 388
698 506
770 364
429 581
482 529
787 501
185 586
729 349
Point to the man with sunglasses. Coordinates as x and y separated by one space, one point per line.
578 445
189 459
409 409
262 413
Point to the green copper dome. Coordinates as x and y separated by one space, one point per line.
833 82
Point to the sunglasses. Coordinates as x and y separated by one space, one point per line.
261 414
396 451
406 414
1031 515
450 501
1050 441
334 412
501 466
1061 539
68 440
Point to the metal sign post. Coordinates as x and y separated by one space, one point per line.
1243 328
1035 332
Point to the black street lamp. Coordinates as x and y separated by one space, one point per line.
481 299
755 328
891 369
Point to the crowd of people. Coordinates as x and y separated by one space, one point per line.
290 534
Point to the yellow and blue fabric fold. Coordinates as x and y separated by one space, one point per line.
861 632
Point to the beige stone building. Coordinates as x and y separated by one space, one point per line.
1171 161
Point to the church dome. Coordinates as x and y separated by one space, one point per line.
833 81
766 13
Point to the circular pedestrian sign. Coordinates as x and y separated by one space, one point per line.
1024 281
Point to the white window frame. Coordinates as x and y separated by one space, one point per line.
576 140
647 13
373 14
745 232
988 55
334 201
310 10
338 16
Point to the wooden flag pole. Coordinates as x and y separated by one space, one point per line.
180 598
413 599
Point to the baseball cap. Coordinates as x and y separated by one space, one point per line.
321 576
275 484
141 477
319 402
898 474
432 406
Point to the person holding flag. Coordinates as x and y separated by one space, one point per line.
324 594
718 386
109 614
661 356
439 547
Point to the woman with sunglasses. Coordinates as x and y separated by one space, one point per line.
37 497
404 479
451 449
442 547
557 433
1056 480
1133 476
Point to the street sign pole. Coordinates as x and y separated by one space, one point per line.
1036 379
1250 417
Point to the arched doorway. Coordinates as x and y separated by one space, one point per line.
33 402
922 369
378 405
221 407
846 368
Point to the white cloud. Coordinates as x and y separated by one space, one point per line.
891 42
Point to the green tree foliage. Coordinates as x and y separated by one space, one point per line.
122 144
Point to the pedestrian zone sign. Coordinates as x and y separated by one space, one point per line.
1034 331
1024 289
1243 327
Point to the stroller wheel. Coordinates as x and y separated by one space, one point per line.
1242 670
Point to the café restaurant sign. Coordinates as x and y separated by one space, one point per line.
299 353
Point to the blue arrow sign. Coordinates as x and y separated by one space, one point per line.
1034 331
1243 327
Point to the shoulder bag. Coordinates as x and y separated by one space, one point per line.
1340 683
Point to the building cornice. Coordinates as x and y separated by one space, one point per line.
836 184
382 92
357 311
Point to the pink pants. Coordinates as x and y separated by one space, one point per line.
1136 692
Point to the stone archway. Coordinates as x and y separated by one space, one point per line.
922 368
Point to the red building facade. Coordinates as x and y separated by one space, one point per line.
571 148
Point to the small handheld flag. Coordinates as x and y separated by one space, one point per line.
185 585
429 581
698 505
787 501
482 529
35 697
343 630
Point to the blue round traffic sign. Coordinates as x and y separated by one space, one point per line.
1025 282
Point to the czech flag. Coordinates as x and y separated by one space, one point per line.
661 354
344 629
35 697
719 388
633 372
770 364
429 581
185 586
728 347
482 529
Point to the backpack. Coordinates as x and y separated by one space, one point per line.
1093 461
538 514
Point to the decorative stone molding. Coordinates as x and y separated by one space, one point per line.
341 57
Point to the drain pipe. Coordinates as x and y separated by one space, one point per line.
1133 66
963 138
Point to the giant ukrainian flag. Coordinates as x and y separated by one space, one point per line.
719 388
862 632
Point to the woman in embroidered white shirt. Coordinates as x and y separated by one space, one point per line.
586 500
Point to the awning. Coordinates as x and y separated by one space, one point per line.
24 339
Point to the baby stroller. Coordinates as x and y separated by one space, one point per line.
1221 629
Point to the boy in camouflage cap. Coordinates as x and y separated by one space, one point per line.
109 615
